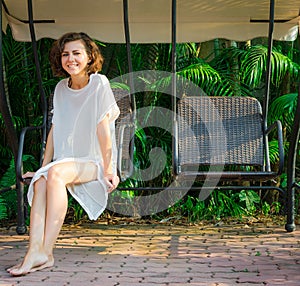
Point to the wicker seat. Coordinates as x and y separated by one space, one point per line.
223 137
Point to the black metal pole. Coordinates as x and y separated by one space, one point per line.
129 59
38 69
291 165
269 57
21 227
174 11
10 129
174 89
268 80
131 81
12 138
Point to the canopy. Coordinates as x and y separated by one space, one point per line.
150 20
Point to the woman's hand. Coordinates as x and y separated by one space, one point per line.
28 175
112 182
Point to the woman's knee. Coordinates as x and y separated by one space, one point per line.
55 174
62 173
72 173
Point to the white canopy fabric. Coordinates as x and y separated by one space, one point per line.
150 20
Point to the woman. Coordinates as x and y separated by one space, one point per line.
80 152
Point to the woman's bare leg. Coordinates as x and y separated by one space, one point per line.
62 175
40 253
37 226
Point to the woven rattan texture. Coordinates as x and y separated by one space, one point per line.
122 98
220 131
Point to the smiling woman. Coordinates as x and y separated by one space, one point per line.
80 152
79 45
74 60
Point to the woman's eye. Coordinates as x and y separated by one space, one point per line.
64 55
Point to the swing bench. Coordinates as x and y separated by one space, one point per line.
224 138
223 141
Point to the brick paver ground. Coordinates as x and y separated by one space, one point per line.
129 255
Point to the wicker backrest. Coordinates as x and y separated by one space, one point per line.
122 98
220 131
49 112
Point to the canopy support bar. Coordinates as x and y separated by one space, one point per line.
12 137
10 129
269 58
268 79
291 169
21 227
129 59
38 67
174 11
174 87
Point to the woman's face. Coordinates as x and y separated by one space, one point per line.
74 58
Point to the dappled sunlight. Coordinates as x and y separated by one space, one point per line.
133 254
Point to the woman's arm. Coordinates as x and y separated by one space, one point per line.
48 154
49 151
104 138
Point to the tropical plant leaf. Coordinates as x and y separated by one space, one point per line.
3 208
254 62
283 108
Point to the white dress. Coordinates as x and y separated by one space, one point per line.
76 114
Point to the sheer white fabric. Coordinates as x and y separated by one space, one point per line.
76 114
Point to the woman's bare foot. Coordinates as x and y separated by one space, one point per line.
32 263
13 267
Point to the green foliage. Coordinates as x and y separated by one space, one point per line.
268 209
254 62
3 208
219 205
75 211
194 209
249 201
9 204
206 77
283 108
273 151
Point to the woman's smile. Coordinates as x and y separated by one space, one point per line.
74 58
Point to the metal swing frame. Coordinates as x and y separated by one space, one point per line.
292 185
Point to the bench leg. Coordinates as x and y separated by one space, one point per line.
21 227
291 166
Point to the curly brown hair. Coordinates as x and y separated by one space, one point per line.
93 52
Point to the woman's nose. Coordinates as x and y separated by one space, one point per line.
70 57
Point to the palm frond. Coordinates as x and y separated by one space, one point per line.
283 108
253 66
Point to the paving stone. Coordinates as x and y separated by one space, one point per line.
164 255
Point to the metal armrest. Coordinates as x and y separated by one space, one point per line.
176 168
277 124
127 173
19 164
